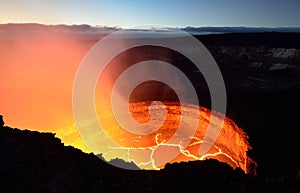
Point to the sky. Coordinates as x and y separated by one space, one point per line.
171 13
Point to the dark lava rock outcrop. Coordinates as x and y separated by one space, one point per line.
1 121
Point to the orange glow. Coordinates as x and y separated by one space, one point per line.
37 73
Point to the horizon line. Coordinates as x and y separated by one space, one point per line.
156 25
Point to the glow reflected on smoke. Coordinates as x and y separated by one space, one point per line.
114 98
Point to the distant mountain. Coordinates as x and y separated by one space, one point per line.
217 30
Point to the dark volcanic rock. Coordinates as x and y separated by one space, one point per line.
39 162
1 121
262 78
258 62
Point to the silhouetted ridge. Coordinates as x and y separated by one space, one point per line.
266 39
39 162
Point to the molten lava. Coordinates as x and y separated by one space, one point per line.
231 145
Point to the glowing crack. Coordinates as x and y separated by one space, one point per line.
183 151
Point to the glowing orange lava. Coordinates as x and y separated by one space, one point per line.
231 145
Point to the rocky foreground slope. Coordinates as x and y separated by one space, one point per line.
39 162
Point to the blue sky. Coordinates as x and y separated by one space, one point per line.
176 13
